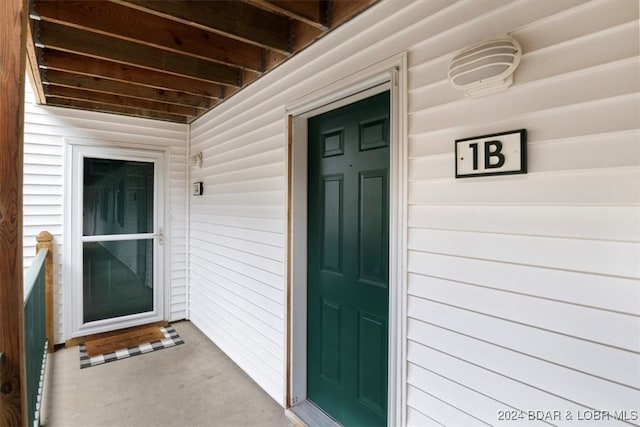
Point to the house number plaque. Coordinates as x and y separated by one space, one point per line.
496 154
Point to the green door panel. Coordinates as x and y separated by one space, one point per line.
348 262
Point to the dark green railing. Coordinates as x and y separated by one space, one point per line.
35 338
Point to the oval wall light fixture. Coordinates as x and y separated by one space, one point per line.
486 67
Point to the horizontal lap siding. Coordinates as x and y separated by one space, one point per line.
238 226
237 245
522 291
177 228
45 131
43 198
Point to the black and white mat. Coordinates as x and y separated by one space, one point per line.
171 340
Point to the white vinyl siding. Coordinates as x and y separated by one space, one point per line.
522 291
237 250
45 131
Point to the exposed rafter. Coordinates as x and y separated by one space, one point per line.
118 21
229 18
64 61
105 108
73 40
124 101
114 87
167 59
314 13
32 67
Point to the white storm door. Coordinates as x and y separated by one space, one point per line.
117 238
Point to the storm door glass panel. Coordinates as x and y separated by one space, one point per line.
117 247
117 197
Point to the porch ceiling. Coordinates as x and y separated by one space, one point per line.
167 60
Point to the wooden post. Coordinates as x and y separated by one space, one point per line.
13 30
45 241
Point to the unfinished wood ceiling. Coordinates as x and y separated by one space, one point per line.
167 60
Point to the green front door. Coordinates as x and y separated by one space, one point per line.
348 262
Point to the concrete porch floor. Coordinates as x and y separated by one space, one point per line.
193 384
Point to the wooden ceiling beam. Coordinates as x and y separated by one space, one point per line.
113 109
95 45
311 12
168 59
304 35
115 20
119 100
339 12
114 87
33 70
344 10
229 18
78 64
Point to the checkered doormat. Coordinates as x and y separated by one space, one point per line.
171 339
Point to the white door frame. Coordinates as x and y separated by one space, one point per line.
77 150
386 75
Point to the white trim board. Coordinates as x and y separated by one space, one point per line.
389 75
